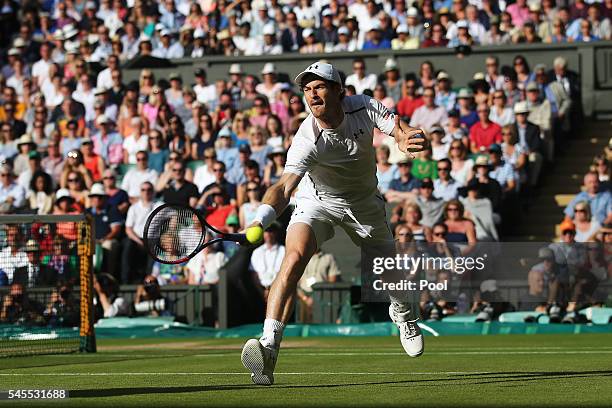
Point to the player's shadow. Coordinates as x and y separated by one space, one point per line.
476 378
120 392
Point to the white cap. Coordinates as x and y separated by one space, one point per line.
102 119
235 69
159 26
412 12
90 5
97 190
442 75
323 70
62 193
69 31
390 65
462 24
374 25
14 51
479 76
19 42
521 107
402 28
269 68
269 29
327 12
343 31
164 33
58 35
198 33
307 32
100 91
258 5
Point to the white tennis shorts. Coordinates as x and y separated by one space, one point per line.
364 221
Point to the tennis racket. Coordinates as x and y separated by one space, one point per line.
175 233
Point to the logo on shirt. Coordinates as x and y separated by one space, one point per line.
356 134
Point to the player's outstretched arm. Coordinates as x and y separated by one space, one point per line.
276 199
408 139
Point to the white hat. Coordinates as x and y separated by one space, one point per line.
62 193
69 31
269 68
102 119
235 69
144 38
159 26
327 12
58 35
19 42
521 107
322 70
90 5
390 65
462 24
92 38
258 5
343 31
269 29
223 35
97 190
198 33
24 139
374 25
412 12
442 75
479 76
164 33
14 51
465 93
307 32
100 91
402 28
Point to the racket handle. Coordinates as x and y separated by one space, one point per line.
239 238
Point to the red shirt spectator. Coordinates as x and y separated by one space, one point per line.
411 101
484 133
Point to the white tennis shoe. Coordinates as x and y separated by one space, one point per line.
260 361
410 332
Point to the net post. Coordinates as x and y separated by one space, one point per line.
85 251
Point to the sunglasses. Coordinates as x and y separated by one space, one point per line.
146 190
4 175
177 170
218 170
141 159
579 210
439 234
253 189
108 178
452 209
210 157
443 168
569 232
73 180
405 234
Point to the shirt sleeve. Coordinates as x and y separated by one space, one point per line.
130 219
301 156
380 115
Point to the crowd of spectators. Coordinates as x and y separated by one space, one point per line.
75 137
94 30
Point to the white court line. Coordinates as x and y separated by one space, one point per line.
144 374
457 353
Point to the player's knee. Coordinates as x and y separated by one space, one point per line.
294 265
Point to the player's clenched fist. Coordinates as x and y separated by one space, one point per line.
409 140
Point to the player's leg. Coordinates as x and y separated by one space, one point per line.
259 356
367 226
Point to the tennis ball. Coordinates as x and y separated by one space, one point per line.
254 234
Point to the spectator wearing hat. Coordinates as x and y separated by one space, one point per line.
559 100
107 224
166 49
445 187
429 114
134 251
600 201
501 171
270 87
454 130
359 78
489 187
328 32
12 195
405 186
270 45
480 210
484 133
103 100
439 148
34 166
25 145
107 142
467 114
275 166
529 140
445 96
375 39
437 37
205 92
34 273
346 43
266 259
311 42
431 207
392 82
459 35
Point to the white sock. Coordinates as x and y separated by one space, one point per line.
272 334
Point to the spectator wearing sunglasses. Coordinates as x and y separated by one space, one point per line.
12 195
133 179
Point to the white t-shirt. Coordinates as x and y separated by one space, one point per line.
132 146
9 261
340 164
137 216
367 82
202 177
205 267
40 69
266 262
134 178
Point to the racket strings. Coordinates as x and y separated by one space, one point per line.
174 234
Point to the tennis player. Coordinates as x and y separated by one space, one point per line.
332 163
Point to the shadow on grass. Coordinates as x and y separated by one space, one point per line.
479 378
